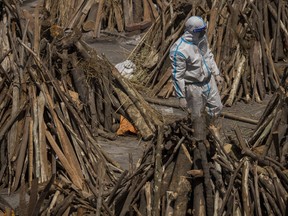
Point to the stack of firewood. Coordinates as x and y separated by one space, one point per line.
109 17
181 175
249 40
57 97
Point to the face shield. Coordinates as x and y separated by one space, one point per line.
196 26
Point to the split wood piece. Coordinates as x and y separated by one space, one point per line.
207 178
22 153
238 118
240 68
134 114
272 143
79 79
148 197
107 91
42 196
116 187
11 121
158 173
33 196
214 13
99 17
257 81
79 148
44 164
199 204
166 76
219 184
75 178
80 9
245 187
166 90
62 135
256 186
89 24
180 184
220 146
130 25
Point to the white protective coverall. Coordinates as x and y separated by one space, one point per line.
194 70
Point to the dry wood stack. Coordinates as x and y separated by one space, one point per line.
248 39
179 175
100 16
57 97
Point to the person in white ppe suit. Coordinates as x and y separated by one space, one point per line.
194 71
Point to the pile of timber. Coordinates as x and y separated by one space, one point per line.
115 17
182 175
58 96
249 40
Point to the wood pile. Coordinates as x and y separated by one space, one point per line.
249 40
193 174
57 97
116 17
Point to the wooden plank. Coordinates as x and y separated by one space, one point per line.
70 169
165 77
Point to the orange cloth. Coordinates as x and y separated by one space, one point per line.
125 126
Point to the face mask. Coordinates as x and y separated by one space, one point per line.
199 35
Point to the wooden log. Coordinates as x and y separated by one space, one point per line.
277 32
240 68
158 174
230 187
22 153
66 144
238 118
89 24
148 198
166 76
79 148
179 183
97 27
274 14
75 178
118 16
107 91
199 205
79 79
44 164
245 187
207 178
134 114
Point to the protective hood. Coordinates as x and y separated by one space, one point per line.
195 29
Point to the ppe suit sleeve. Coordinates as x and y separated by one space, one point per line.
178 61
212 64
